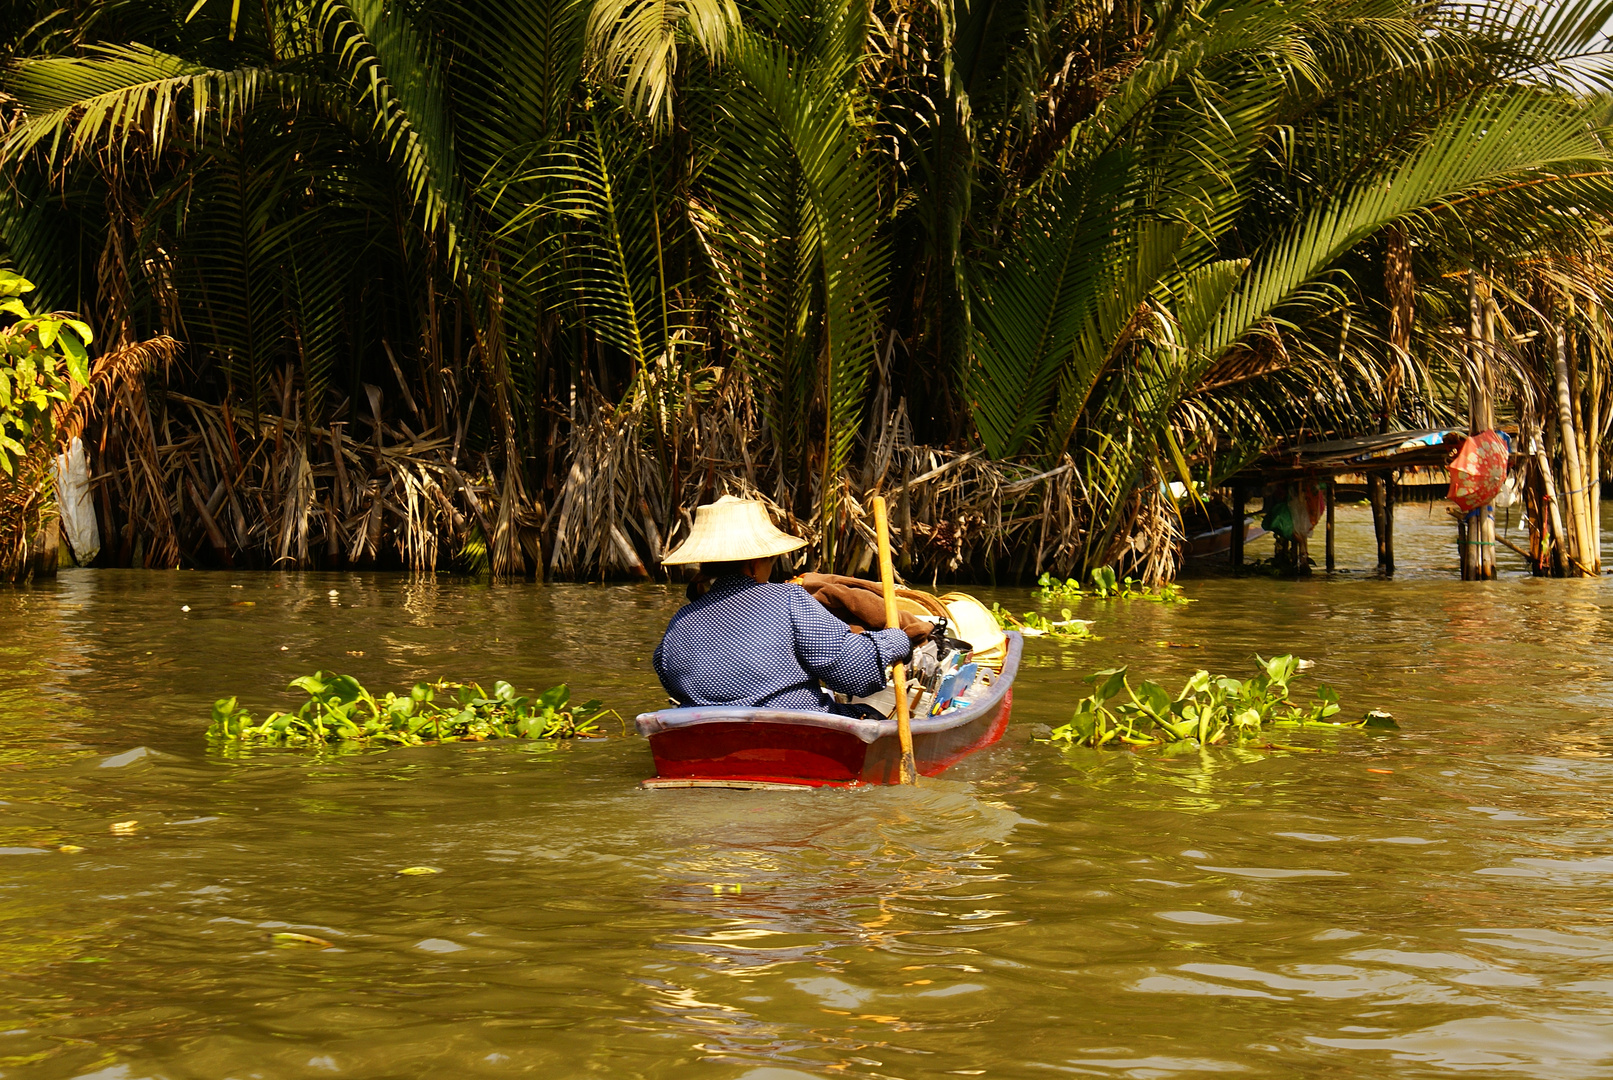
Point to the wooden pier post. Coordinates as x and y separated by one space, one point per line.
1332 500
1240 495
1375 497
1386 542
1463 550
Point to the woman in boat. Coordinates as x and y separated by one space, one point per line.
744 641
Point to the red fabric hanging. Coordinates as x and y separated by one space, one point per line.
1479 470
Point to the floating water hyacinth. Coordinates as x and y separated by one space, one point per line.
1105 585
1035 624
1211 709
339 709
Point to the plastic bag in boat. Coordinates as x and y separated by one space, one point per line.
73 502
1479 470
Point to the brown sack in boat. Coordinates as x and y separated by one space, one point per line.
858 607
911 601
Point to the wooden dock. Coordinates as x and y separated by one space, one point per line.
1375 459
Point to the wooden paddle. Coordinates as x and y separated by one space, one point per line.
887 579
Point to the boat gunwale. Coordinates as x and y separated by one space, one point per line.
865 730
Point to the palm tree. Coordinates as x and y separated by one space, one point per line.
548 242
1251 150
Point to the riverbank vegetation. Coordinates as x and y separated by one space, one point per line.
339 709
513 285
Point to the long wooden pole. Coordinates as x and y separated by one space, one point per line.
887 581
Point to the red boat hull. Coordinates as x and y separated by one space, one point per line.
740 748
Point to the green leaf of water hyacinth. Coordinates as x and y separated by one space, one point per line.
554 698
1109 683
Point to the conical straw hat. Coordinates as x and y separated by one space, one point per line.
732 530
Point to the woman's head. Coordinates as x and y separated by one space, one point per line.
759 570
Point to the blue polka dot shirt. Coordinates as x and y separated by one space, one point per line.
753 645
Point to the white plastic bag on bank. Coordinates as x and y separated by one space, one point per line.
73 500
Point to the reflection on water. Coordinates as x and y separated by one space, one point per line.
1415 904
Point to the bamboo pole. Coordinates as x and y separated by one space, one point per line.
1604 420
887 580
1534 503
1579 415
1571 460
1559 532
1465 530
1593 440
1588 494
1478 558
1488 313
1400 289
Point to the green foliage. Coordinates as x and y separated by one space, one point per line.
340 710
799 248
42 359
1035 624
1051 590
636 42
1105 585
1210 200
1048 228
1210 710
603 197
474 554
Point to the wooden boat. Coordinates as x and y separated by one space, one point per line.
766 748
1219 541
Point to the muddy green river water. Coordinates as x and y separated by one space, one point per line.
1430 902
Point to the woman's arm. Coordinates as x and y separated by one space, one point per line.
845 662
